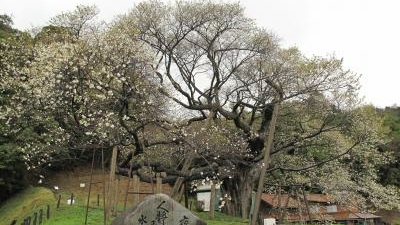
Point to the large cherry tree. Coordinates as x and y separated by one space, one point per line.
188 89
215 63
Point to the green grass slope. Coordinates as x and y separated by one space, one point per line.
34 198
25 204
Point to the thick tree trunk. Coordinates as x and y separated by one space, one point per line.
236 192
239 188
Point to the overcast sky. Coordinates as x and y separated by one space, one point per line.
365 33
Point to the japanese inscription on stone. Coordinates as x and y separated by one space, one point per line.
158 209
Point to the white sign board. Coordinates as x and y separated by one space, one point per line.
269 221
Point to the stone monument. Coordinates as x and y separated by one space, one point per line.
158 209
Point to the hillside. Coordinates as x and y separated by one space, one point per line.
34 198
25 204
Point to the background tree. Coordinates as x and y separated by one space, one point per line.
390 173
6 29
15 126
93 83
353 176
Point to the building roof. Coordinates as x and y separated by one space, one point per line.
321 198
280 201
364 216
339 216
274 200
318 205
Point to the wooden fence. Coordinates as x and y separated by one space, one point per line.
35 219
39 217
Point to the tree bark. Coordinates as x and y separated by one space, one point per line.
212 200
236 193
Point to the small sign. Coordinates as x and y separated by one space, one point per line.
269 221
82 185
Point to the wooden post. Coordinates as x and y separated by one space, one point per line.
282 216
151 180
40 216
98 200
136 187
176 192
158 183
300 209
128 184
212 200
113 167
29 220
34 218
265 162
48 212
280 199
104 187
186 186
72 198
115 211
181 191
306 203
58 201
90 186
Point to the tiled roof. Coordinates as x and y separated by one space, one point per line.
318 206
339 216
364 216
321 198
276 201
354 216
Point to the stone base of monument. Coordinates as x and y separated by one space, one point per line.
158 209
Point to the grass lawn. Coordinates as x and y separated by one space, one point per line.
75 215
221 219
35 198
